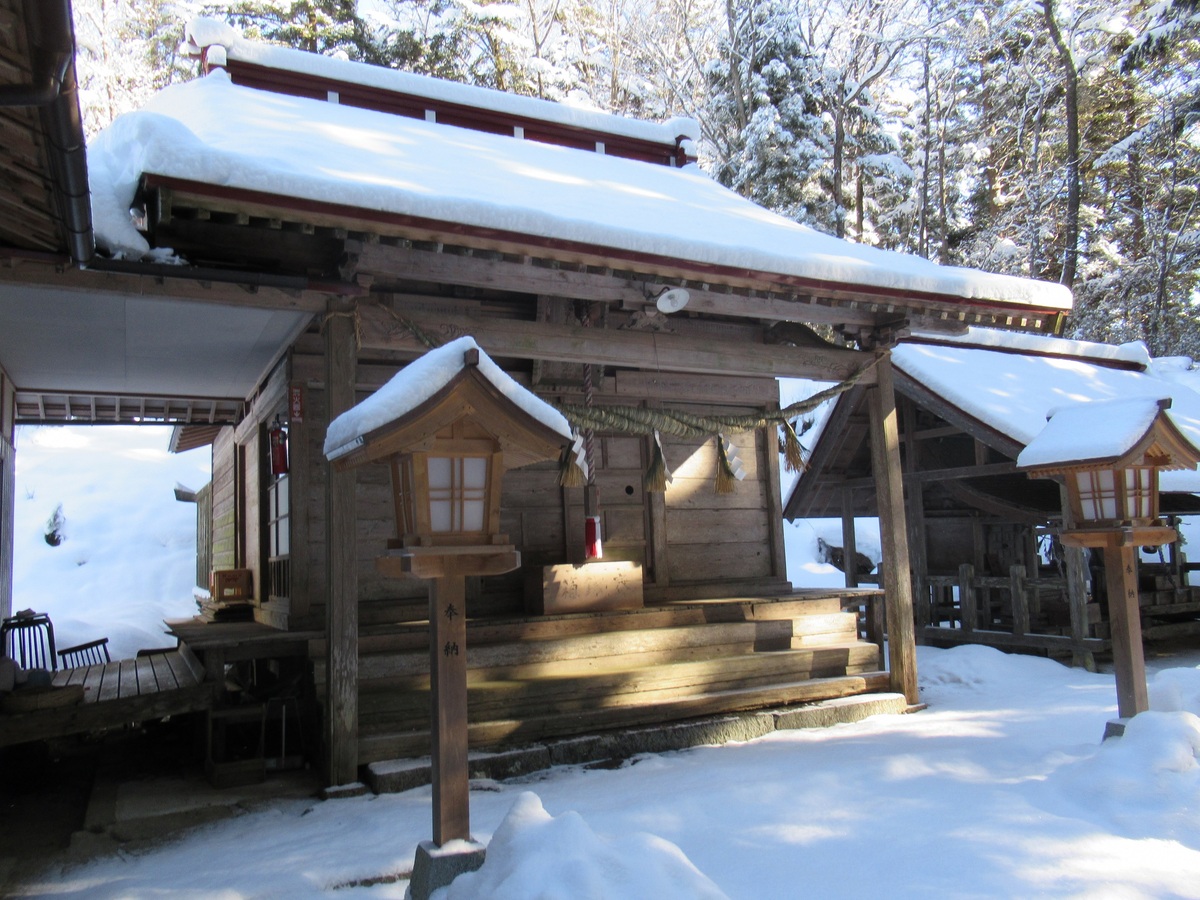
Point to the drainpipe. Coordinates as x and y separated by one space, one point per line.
54 93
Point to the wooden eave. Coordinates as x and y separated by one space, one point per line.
37 407
522 438
348 93
814 300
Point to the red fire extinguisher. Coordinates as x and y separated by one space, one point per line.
279 449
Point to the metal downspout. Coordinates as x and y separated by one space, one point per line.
54 94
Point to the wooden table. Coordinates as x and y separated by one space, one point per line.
218 643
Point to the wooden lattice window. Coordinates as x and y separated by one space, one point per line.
279 538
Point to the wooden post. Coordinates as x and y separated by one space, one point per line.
448 685
341 602
889 489
968 603
1020 599
7 513
849 539
1074 566
918 554
1120 566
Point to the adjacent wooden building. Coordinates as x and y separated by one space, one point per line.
335 221
987 566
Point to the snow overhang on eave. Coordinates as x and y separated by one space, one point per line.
937 310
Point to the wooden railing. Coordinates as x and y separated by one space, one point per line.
993 609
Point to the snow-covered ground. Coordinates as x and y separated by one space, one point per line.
1001 788
128 555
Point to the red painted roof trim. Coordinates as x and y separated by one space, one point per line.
316 87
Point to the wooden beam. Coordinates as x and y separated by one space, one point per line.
384 330
341 607
760 295
897 576
44 274
1004 444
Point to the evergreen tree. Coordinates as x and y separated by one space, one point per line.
764 114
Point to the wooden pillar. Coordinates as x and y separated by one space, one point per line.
968 603
915 516
8 487
1020 600
341 601
849 539
448 685
767 444
1120 566
889 489
8 481
1074 569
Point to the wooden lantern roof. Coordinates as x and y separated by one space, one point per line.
453 383
1116 434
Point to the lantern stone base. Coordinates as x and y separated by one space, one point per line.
435 867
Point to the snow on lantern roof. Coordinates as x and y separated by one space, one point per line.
202 35
212 132
1114 433
420 381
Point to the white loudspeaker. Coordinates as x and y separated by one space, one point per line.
672 300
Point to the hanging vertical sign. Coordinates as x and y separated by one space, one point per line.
296 403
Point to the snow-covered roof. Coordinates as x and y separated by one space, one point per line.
1015 392
203 33
213 132
420 380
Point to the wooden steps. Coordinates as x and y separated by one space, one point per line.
374 746
533 678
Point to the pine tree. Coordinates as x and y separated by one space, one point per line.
764 114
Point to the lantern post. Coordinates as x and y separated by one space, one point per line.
448 425
1109 455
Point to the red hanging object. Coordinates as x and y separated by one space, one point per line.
592 548
279 449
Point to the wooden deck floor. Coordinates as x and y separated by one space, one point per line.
116 694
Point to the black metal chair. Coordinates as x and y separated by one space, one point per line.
28 639
93 653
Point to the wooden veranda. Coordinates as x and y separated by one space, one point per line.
113 695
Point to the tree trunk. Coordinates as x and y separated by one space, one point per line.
1071 102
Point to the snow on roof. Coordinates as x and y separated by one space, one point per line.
214 132
1103 429
1134 353
420 380
1014 393
202 33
